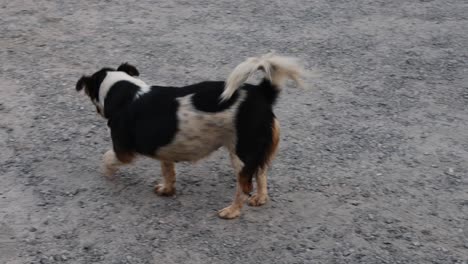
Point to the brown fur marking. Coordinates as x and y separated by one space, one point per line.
125 157
274 141
245 182
166 188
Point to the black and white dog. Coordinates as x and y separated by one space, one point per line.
188 123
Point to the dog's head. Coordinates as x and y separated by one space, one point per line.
91 84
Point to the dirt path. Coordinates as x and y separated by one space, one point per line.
372 165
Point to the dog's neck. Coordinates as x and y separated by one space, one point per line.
117 90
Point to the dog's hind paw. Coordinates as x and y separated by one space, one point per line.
108 171
163 190
229 212
258 199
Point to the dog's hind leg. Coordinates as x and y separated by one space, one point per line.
234 210
111 161
167 188
261 196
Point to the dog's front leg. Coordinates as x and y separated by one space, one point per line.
167 188
111 161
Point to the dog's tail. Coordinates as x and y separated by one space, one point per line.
276 68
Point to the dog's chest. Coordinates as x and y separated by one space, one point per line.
199 133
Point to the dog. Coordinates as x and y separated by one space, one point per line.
175 124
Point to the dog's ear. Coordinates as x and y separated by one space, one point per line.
129 69
82 82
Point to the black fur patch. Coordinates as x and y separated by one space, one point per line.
119 97
254 127
154 119
129 69
206 97
81 83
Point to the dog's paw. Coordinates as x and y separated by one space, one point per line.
258 199
229 212
163 190
108 172
108 167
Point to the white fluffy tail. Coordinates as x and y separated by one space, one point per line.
277 69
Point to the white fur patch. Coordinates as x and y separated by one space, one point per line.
276 68
143 90
200 133
115 76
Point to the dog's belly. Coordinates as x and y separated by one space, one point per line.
199 134
189 147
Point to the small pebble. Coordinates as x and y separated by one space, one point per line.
348 252
450 171
87 245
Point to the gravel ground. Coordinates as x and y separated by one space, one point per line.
372 165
